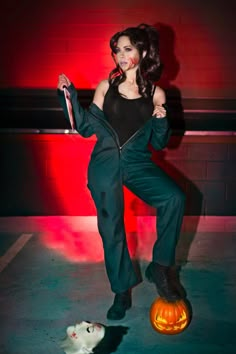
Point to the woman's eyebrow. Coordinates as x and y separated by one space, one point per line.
125 46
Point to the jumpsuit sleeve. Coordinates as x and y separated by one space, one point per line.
81 115
161 132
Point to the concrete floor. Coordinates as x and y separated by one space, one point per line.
42 292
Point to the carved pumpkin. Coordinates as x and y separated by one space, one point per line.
169 317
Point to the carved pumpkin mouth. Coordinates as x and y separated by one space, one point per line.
169 317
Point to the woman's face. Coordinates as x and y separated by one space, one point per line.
127 56
86 334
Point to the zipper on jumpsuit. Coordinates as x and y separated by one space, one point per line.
116 139
115 136
110 129
131 138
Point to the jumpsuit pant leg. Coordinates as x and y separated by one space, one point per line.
109 201
151 184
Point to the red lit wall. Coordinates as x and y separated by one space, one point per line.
40 39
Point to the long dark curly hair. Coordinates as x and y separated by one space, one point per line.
144 38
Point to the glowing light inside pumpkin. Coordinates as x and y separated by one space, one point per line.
169 318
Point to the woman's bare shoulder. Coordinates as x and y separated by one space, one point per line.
103 86
159 96
100 92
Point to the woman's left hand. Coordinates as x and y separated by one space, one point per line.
159 111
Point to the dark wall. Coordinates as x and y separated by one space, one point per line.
39 109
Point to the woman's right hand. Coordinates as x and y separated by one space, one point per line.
63 81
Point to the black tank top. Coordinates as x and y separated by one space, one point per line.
126 116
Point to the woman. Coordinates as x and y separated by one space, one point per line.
127 114
86 337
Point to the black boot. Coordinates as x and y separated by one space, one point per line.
174 278
122 302
160 275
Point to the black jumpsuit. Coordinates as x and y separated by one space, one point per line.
114 164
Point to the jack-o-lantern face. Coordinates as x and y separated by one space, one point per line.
169 317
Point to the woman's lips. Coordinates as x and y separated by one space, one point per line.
122 63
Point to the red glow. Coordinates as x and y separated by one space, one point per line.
86 246
66 179
74 246
41 40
